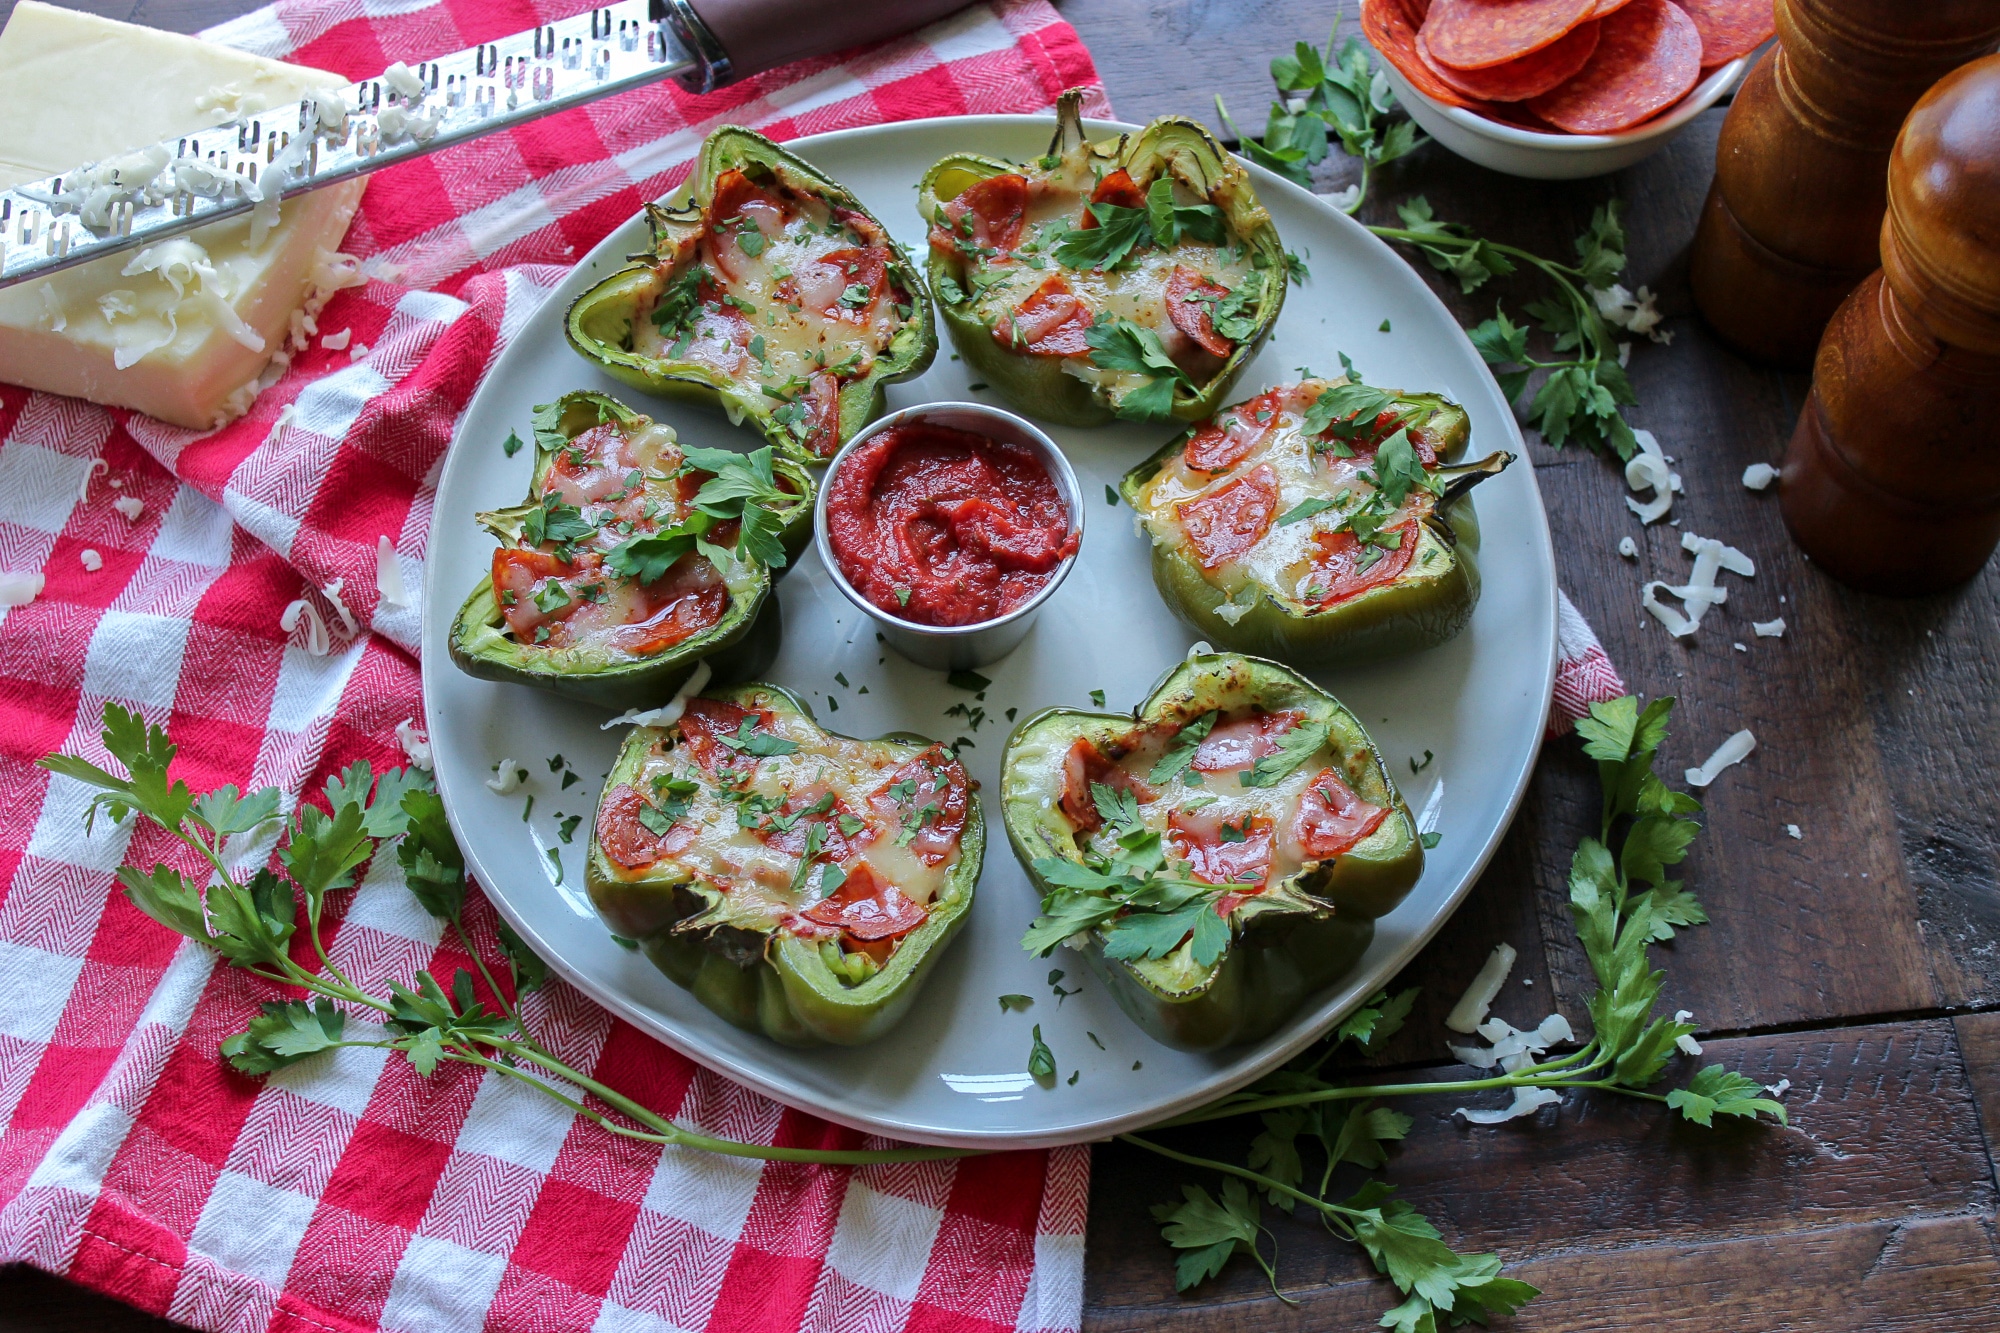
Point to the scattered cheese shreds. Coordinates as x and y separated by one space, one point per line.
1728 557
317 642
1199 648
92 561
1793 831
1769 629
1780 1088
1628 548
356 352
332 592
1526 1102
389 574
97 465
1470 1011
415 744
1732 751
1513 1049
1686 1042
670 712
337 342
18 587
1647 470
1677 624
1759 476
129 505
1740 647
507 778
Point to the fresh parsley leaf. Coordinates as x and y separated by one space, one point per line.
1171 221
1041 1060
1295 746
1304 510
285 1032
1718 1091
511 445
1208 1231
1180 755
1015 1003
761 744
1107 245
1120 344
1370 1026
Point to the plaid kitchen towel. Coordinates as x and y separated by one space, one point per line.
346 1193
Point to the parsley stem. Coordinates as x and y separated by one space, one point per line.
500 997
1241 1172
674 1134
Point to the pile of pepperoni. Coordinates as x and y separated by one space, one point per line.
1563 66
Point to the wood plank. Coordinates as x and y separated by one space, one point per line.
1979 1038
1605 1185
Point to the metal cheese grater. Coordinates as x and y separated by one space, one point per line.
153 193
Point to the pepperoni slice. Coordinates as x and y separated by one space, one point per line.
688 599
1051 322
1648 56
737 201
1730 28
1220 852
1478 34
1242 741
1337 570
867 907
1086 764
1392 32
1232 518
1605 8
519 570
1519 80
704 722
1196 318
627 841
1227 440
937 780
1332 817
1118 188
998 207
834 845
851 268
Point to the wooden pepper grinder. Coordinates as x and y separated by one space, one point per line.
1791 220
1892 481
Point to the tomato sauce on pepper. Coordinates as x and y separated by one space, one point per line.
945 527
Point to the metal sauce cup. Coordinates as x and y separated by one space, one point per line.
957 647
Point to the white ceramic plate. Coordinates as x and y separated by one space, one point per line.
954 1072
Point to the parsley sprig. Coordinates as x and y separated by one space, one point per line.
1121 231
1624 902
1145 909
250 910
744 489
1347 100
1119 344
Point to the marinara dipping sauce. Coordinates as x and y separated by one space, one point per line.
942 526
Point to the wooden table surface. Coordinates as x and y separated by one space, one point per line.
1861 961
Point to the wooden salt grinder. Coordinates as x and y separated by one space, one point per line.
1790 225
1892 481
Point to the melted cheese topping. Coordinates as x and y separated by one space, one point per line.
779 316
1281 560
998 282
763 880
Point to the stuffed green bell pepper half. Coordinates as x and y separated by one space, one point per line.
770 291
1320 523
1134 277
1217 855
800 883
632 560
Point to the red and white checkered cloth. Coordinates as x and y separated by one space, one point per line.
346 1193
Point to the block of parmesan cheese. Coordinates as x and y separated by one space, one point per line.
183 329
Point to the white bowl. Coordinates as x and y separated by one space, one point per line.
1553 157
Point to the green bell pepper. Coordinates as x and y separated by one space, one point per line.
769 291
1217 855
1322 524
800 883
1049 276
564 557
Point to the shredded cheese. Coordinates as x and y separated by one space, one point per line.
1759 476
1793 830
1732 751
1526 1102
1648 470
415 744
1686 1042
670 712
92 561
332 592
1769 629
129 505
389 574
1470 1011
318 643
97 465
18 587
337 342
1628 548
507 778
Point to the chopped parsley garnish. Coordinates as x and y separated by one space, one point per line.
1119 344
1295 746
1181 753
761 744
511 445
